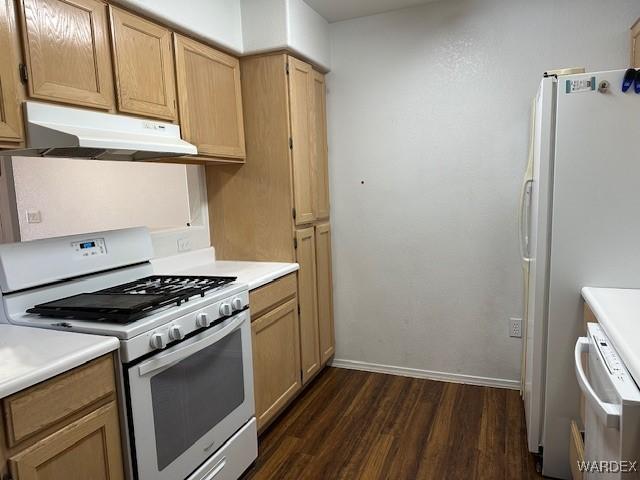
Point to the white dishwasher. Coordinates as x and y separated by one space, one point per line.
612 410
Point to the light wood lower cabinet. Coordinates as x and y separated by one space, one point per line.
276 360
64 428
308 300
325 292
88 448
275 335
576 451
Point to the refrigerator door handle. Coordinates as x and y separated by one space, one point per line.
608 412
522 224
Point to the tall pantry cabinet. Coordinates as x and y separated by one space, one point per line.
276 206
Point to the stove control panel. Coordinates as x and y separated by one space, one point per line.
89 248
176 330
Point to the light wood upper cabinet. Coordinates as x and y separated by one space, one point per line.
66 46
276 360
307 299
143 63
325 292
209 99
320 160
635 44
300 106
10 115
88 448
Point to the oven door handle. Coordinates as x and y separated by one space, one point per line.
164 359
609 413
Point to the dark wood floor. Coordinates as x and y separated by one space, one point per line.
351 425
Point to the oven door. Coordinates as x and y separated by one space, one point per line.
188 400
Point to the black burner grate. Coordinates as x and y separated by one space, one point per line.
131 301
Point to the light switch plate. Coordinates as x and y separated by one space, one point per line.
34 216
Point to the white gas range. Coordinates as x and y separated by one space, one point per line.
185 346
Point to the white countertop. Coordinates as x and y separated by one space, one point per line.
32 355
618 312
202 262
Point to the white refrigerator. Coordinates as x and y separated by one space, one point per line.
580 226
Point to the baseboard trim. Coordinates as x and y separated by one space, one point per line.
428 374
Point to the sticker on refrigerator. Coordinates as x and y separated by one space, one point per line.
581 85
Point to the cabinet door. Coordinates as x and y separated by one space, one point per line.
88 448
319 143
10 119
325 292
635 44
67 51
307 298
209 99
143 61
301 101
276 360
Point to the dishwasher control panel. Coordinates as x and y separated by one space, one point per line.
617 371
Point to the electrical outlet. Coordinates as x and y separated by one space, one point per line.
184 244
34 216
515 327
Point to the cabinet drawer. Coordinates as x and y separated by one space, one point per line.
576 451
41 406
265 298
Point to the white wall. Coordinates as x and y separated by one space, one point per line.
264 25
217 21
286 24
308 33
429 106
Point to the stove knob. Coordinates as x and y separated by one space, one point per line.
225 309
158 341
236 303
202 320
175 333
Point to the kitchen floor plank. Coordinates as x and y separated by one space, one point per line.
350 424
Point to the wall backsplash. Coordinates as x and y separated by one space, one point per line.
77 196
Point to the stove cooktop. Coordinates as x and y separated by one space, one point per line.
131 301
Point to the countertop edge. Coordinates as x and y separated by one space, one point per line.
270 277
69 362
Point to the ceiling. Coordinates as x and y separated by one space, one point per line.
336 10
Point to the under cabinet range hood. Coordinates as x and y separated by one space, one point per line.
56 131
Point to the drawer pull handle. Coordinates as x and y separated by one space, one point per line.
216 469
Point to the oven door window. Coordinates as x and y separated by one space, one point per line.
194 395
